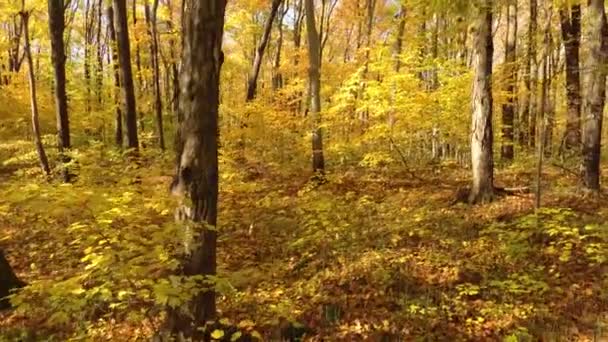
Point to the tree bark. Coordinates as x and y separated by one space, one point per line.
314 80
124 57
118 135
596 95
277 76
158 104
525 137
56 28
8 281
44 162
481 129
508 109
259 52
570 21
197 148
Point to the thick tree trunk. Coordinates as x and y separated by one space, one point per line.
508 109
596 94
314 80
44 162
8 281
481 129
56 27
118 135
259 52
571 36
197 148
124 57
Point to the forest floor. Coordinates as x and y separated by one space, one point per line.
370 255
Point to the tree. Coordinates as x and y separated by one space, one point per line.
570 20
481 128
44 162
158 104
596 94
314 84
8 281
124 57
259 52
118 138
197 145
508 109
56 29
526 131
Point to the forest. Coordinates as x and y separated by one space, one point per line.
303 170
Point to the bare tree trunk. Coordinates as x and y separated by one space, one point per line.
397 49
481 128
124 56
44 162
118 137
56 28
314 79
570 20
508 109
529 81
259 52
277 76
197 150
596 95
99 70
158 104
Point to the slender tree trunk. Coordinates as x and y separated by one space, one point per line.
197 149
56 28
118 135
141 84
173 55
277 76
44 162
314 79
259 52
508 109
124 57
397 49
525 138
158 104
596 94
481 129
99 70
570 20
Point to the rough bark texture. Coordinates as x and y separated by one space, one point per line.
596 93
570 21
56 28
197 146
508 109
8 281
44 162
314 80
124 57
481 127
118 137
252 82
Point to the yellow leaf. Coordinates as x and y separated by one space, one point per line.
217 334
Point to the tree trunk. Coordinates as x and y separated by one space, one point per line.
118 137
508 109
259 52
44 162
56 27
197 148
527 110
481 131
571 35
8 281
314 79
124 57
277 76
596 94
158 104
